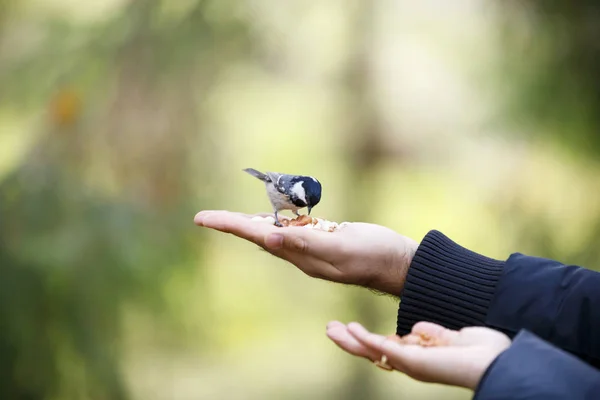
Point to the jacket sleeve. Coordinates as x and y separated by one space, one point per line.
535 370
455 287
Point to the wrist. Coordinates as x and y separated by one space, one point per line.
391 278
447 284
484 364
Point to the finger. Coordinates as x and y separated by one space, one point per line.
437 331
445 365
398 355
199 217
237 224
297 239
307 249
332 324
202 214
338 333
474 335
242 226
374 341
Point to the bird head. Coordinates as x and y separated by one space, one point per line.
312 188
304 191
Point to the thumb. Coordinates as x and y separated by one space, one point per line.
442 334
294 242
302 240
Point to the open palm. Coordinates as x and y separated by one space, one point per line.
363 254
461 360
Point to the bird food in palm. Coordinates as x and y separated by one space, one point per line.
420 339
304 221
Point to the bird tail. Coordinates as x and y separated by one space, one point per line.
258 174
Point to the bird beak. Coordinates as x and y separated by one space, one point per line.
309 208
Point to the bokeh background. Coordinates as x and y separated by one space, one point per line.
120 119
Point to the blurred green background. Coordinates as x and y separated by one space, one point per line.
120 119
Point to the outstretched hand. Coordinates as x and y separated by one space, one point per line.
461 361
362 254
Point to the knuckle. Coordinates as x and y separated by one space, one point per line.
298 244
314 274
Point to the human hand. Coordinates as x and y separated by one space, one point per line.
461 360
362 254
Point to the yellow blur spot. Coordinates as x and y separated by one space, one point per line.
65 108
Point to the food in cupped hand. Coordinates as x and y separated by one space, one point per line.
419 339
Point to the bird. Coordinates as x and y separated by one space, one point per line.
289 192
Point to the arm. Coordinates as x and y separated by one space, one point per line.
455 287
438 280
533 369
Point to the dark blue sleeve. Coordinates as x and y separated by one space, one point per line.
560 303
531 369
456 287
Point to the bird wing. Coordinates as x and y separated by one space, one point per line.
280 181
257 174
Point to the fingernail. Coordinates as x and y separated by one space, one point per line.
274 241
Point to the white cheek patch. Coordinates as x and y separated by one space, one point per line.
298 190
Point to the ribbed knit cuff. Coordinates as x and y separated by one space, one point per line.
447 285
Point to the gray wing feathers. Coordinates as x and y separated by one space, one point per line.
258 174
280 181
274 177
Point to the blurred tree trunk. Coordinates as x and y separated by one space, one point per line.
365 149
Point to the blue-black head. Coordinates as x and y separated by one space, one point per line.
305 191
313 192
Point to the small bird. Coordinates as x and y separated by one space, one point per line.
289 192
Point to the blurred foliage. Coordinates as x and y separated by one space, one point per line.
80 236
551 59
119 121
549 78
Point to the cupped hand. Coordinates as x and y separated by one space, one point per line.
461 361
362 254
